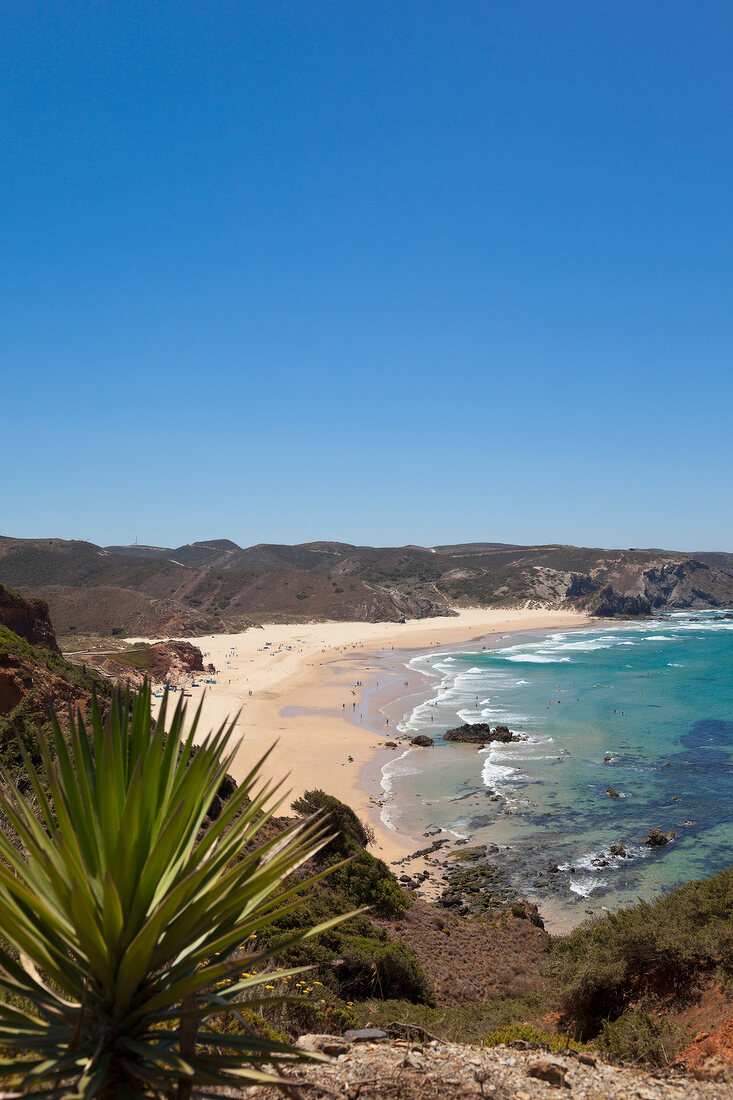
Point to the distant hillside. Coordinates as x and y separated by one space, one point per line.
214 585
194 554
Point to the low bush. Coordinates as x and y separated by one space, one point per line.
366 880
638 1037
466 1023
354 960
610 964
530 1036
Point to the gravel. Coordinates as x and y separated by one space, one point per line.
438 1071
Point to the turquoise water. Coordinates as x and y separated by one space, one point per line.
655 697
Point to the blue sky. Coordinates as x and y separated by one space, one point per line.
380 272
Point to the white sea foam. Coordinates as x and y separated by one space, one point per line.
395 769
584 887
536 658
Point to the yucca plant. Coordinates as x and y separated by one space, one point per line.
127 926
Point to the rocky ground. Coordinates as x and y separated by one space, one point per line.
400 1070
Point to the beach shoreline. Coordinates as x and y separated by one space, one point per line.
295 684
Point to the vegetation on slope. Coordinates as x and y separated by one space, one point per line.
610 972
358 958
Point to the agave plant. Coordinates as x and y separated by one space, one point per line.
128 920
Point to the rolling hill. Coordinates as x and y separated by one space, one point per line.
213 585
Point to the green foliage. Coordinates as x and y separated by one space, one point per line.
18 732
638 1037
531 1036
357 959
381 967
607 964
351 833
131 928
466 1023
365 880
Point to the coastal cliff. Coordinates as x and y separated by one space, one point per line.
28 618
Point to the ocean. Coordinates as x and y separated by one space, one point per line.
644 708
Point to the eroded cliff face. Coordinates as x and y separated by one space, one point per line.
28 618
681 585
47 690
625 591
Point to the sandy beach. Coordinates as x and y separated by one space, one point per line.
304 687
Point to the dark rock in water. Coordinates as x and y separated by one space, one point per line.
656 838
481 733
607 759
618 850
612 793
422 741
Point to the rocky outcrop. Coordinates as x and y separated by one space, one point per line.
28 618
422 741
657 839
634 590
161 662
171 659
22 678
481 733
608 604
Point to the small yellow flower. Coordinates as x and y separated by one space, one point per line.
269 987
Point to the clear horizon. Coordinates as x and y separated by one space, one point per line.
414 273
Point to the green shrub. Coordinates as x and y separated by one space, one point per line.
526 1033
352 833
355 960
607 964
465 1023
381 968
638 1037
366 880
